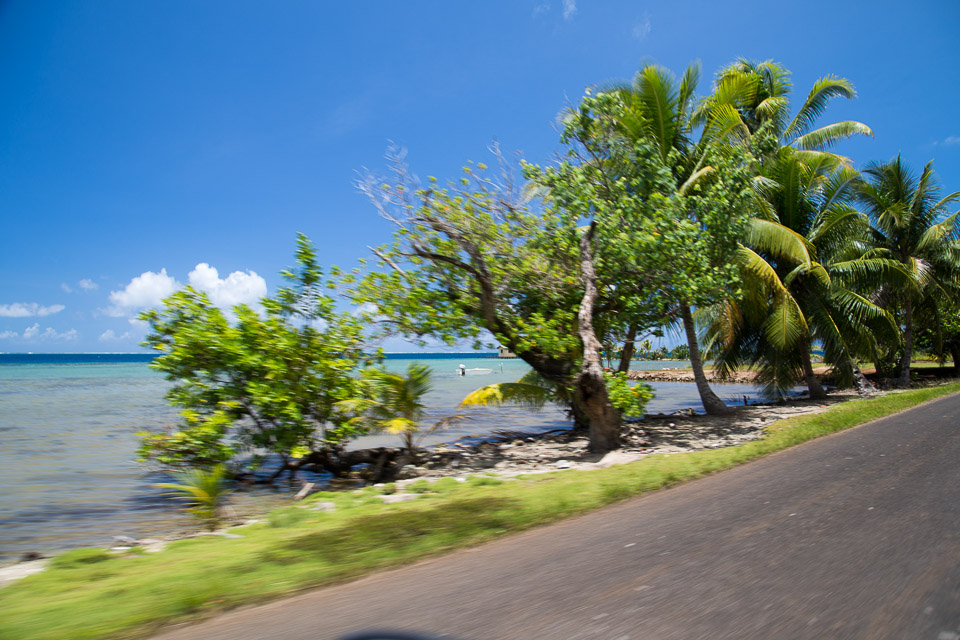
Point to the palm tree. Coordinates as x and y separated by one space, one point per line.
801 286
792 296
911 225
202 491
396 405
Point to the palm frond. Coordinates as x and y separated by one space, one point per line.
823 90
779 240
827 136
510 393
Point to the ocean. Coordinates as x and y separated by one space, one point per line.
68 425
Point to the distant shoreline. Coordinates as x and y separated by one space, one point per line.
120 358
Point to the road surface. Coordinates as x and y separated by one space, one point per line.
856 535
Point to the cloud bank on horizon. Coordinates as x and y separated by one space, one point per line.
144 291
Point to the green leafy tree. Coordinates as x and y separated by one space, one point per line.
265 381
396 405
913 226
677 205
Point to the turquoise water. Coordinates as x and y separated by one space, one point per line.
68 442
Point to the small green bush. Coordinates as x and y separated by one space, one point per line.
445 485
79 558
388 489
420 486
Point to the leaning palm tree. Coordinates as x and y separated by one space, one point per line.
395 405
912 225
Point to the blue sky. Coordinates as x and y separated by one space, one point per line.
145 145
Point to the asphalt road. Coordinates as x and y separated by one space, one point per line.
856 535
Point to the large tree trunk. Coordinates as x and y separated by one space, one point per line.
955 352
590 393
628 347
713 405
813 385
904 379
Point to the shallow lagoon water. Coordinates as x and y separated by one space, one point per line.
68 442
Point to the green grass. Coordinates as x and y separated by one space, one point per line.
90 594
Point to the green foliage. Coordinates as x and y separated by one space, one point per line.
913 227
394 404
805 255
79 558
680 352
388 488
532 391
202 491
265 380
629 398
419 486
483 481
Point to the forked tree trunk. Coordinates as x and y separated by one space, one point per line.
813 385
711 403
590 392
904 379
628 347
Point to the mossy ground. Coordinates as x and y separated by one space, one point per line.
86 594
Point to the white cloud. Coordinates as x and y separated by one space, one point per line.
569 9
28 310
237 288
6 335
110 336
543 7
146 290
86 285
149 289
642 29
951 140
34 334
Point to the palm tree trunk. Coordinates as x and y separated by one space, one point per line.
904 379
955 352
713 405
627 354
813 385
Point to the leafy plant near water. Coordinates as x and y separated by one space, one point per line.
203 492
263 379
395 404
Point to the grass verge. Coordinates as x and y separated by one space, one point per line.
91 594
